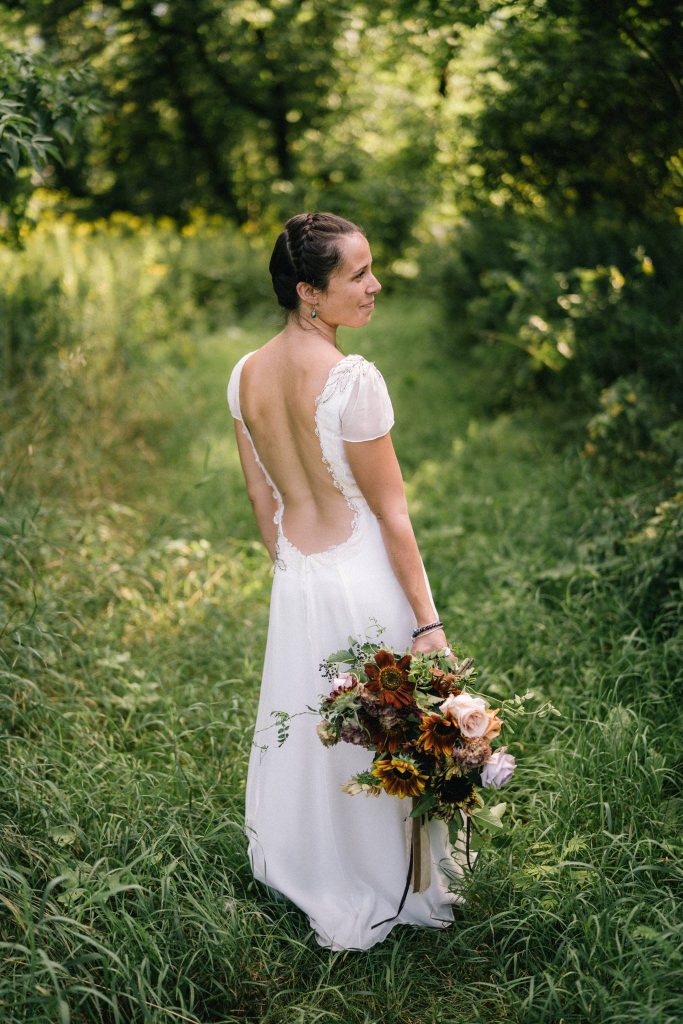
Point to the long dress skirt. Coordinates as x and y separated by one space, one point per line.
341 859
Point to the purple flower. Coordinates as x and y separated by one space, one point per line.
498 770
351 732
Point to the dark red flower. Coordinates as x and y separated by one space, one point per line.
388 678
456 790
443 683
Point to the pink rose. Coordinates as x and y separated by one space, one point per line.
498 770
469 712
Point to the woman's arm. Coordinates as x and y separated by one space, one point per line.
378 474
260 495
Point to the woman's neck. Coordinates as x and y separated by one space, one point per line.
314 330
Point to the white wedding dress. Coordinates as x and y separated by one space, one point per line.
342 859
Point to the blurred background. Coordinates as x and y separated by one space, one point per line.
522 161
518 170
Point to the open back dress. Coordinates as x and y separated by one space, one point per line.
341 859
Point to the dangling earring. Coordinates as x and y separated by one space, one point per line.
314 313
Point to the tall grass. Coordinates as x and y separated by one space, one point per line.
134 609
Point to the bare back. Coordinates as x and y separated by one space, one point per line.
278 390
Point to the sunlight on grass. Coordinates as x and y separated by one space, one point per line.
135 602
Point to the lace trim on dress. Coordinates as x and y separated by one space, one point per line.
338 380
277 518
341 376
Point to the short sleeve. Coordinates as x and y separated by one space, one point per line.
368 412
234 387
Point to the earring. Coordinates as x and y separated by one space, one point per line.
314 313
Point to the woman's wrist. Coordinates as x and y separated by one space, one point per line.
435 640
427 627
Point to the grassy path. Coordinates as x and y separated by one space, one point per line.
132 663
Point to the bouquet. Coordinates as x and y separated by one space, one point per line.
431 736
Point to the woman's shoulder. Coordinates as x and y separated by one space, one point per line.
364 405
355 367
233 388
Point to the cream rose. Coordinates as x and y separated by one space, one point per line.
327 734
469 712
498 770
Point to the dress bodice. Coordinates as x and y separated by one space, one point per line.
354 405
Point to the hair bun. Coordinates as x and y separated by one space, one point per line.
307 250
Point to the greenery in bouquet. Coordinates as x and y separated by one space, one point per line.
431 734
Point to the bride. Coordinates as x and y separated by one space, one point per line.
313 434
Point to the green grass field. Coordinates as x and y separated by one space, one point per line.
135 599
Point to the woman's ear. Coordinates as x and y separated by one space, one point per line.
307 293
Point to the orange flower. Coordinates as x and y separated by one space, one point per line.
494 726
400 776
443 683
388 678
393 739
438 734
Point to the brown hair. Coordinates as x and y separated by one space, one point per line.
307 250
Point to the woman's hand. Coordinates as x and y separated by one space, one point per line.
430 642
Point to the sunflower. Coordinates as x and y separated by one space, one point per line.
400 776
456 790
438 735
388 678
393 739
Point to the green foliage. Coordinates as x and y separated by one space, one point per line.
253 110
628 428
535 318
41 107
633 546
580 106
122 289
134 594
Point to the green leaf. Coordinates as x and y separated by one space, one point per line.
64 128
423 805
490 817
12 151
63 835
341 657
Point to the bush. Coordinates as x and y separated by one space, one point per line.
569 307
632 428
138 288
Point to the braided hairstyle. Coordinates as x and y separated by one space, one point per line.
307 250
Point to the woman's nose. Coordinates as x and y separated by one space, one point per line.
374 285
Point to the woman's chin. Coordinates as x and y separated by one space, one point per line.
364 317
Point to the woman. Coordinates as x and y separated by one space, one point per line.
312 430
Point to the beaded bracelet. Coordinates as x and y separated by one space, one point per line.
426 629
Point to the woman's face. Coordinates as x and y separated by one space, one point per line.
350 295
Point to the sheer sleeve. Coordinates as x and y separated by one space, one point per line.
368 412
234 387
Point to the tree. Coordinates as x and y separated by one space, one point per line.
205 98
582 106
40 107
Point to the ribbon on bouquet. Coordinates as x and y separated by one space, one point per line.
422 853
419 862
